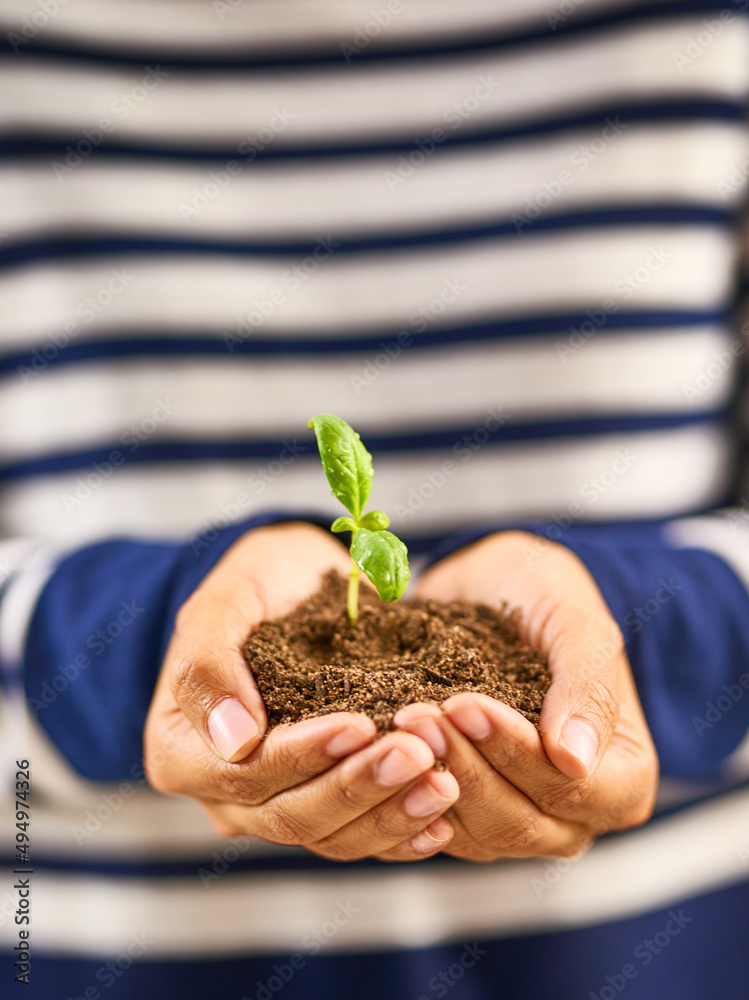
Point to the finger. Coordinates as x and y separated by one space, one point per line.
496 814
581 707
426 843
620 793
318 808
292 755
391 825
208 676
312 811
511 746
289 756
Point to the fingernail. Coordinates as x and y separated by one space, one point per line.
471 720
231 728
578 737
428 729
347 741
429 796
436 833
397 767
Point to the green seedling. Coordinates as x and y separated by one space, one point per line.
377 553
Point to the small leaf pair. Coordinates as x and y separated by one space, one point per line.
378 553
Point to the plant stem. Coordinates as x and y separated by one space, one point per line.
352 605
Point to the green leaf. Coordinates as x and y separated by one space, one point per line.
347 463
384 559
375 520
343 524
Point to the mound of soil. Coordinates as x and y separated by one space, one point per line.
312 662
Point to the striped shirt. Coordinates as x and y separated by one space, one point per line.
506 242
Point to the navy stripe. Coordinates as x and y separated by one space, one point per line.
151 452
29 364
264 864
702 108
383 49
67 247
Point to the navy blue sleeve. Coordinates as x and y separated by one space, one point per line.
684 614
97 638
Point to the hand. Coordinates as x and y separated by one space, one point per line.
595 767
322 783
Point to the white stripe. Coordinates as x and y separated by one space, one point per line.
631 163
250 397
376 100
153 827
13 552
654 867
658 267
608 477
250 27
19 602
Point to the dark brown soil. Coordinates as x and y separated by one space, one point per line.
312 662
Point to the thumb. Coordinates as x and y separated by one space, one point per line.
211 682
581 708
